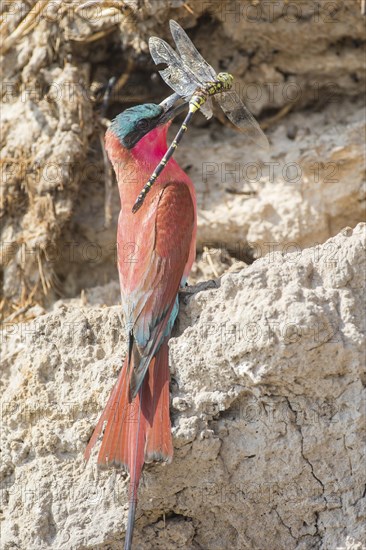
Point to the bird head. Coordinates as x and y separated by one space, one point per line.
133 124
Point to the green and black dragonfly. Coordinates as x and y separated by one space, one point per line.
192 78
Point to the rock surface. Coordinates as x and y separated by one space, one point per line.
267 412
302 192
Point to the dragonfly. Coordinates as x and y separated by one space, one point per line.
193 79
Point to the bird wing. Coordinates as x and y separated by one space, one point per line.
153 249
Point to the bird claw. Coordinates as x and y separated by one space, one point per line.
187 292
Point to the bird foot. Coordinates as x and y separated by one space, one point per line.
185 293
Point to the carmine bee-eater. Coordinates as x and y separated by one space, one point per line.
156 248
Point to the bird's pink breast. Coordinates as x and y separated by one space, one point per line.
133 168
153 146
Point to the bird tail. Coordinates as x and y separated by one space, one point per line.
137 430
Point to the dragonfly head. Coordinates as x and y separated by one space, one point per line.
227 79
133 124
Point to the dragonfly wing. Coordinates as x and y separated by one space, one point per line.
206 108
190 55
176 74
239 115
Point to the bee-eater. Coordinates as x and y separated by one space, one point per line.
155 250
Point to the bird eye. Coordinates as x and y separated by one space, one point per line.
143 124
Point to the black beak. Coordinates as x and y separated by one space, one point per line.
172 106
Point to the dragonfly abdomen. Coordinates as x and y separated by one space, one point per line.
197 100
